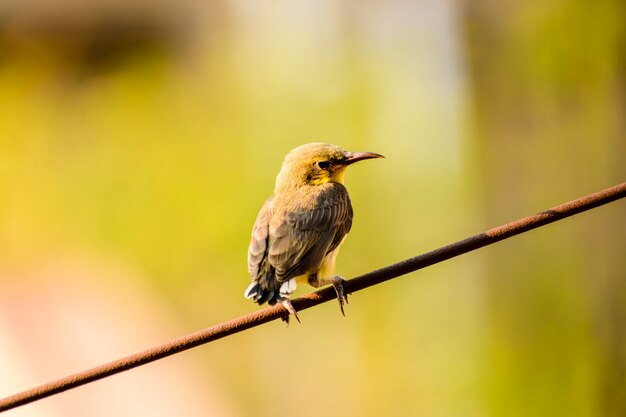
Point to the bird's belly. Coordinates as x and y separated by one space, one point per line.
302 279
326 269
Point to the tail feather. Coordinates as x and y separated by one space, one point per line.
262 295
252 290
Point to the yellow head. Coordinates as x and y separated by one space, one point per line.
316 164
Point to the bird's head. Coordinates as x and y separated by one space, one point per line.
316 164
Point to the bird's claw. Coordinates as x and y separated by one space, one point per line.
342 297
290 311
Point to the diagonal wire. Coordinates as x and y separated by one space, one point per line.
310 300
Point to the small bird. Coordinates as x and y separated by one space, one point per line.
298 232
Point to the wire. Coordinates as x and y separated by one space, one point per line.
311 300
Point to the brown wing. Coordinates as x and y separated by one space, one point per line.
310 231
257 252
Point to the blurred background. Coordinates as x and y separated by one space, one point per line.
138 139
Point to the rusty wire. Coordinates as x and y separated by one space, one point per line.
310 300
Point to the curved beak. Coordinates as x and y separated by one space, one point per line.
353 157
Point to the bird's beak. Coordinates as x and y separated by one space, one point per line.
353 157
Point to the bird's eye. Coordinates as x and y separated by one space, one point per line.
323 164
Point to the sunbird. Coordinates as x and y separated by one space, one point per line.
298 232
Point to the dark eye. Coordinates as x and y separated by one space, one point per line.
323 164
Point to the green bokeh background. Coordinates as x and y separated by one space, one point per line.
139 139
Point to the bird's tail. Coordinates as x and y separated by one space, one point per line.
261 294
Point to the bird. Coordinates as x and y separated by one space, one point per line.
298 232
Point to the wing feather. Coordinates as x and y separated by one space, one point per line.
257 252
305 235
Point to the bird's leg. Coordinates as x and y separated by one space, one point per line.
291 311
342 297
337 283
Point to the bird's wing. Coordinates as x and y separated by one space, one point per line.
257 251
298 245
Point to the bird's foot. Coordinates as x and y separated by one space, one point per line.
290 311
342 297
